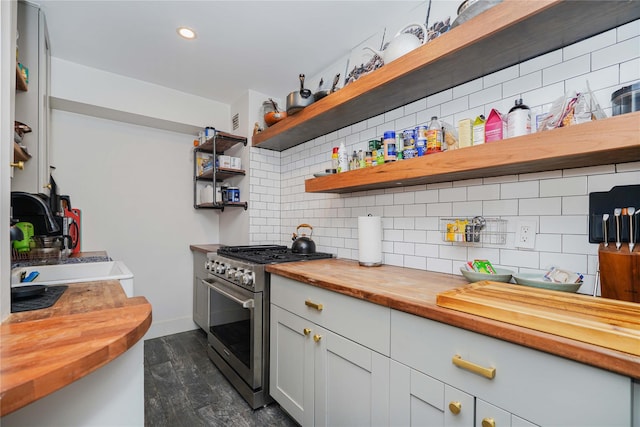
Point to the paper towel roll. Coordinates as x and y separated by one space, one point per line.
370 241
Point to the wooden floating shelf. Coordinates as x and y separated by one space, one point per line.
507 34
608 141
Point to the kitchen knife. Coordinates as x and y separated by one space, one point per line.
616 213
605 229
632 236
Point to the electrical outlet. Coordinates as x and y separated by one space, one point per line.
525 234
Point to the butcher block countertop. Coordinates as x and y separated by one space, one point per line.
44 350
415 291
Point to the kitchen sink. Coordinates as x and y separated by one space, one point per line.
60 274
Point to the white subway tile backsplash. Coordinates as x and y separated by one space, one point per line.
452 194
541 62
454 106
483 192
466 209
541 206
572 262
557 200
628 167
440 265
501 76
630 70
549 242
520 258
575 205
499 207
439 209
563 186
607 182
426 196
593 170
417 210
520 85
481 97
523 189
597 42
566 224
566 70
576 244
623 51
632 29
439 98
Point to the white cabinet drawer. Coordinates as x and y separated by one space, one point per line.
540 387
363 322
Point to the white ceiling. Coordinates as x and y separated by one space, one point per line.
241 45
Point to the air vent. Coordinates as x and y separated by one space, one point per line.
235 121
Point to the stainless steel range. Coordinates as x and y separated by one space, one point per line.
239 301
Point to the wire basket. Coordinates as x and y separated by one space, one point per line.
478 230
38 256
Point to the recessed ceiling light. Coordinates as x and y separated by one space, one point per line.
186 33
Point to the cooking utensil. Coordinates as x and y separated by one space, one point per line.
403 43
303 244
616 214
605 229
298 100
470 8
631 211
324 90
273 117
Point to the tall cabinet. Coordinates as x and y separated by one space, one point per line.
32 101
215 174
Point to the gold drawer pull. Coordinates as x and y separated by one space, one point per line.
306 331
455 407
317 337
476 369
312 304
488 422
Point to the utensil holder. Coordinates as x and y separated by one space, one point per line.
620 272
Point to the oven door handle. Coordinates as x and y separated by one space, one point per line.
244 303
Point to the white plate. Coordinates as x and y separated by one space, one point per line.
319 174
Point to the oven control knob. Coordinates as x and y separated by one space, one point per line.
247 279
220 268
231 273
207 265
239 275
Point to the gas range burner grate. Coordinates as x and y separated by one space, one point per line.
45 300
266 254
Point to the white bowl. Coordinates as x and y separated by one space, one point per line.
502 275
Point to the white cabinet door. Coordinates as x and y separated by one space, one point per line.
418 400
292 364
351 383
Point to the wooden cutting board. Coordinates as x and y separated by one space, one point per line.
605 322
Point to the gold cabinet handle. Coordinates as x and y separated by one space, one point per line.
472 367
306 331
312 304
19 165
47 186
488 422
317 337
455 407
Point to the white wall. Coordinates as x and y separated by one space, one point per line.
556 200
134 184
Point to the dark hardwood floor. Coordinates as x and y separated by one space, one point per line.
182 387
